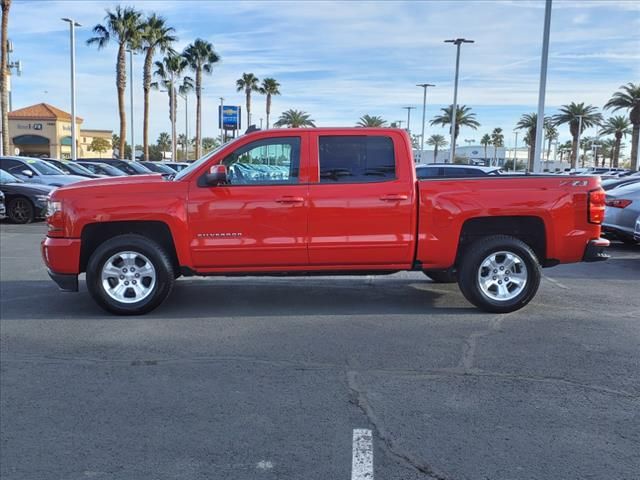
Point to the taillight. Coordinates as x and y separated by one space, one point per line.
618 202
596 206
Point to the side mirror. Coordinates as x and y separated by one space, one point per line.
27 173
217 175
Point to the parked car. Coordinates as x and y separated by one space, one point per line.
176 166
127 166
158 167
3 208
101 169
448 170
34 170
352 205
636 230
623 208
25 202
72 168
612 183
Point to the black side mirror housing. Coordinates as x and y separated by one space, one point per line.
217 176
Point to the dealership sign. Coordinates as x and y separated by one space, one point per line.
229 117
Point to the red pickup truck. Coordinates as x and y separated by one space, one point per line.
318 201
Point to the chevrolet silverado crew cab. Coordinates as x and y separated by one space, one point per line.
318 201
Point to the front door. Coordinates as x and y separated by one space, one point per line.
258 219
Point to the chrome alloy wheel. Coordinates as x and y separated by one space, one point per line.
502 276
128 277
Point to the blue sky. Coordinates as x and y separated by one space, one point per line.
339 61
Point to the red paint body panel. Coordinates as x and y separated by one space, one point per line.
321 227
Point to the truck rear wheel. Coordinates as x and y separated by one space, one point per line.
129 275
499 274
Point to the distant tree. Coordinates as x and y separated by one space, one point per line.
436 141
485 141
551 134
164 142
529 123
209 143
464 118
248 83
294 119
371 121
497 140
629 98
99 145
618 126
571 115
269 88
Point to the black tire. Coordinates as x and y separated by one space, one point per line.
20 210
442 276
470 266
157 256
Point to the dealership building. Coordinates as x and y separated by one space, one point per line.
43 130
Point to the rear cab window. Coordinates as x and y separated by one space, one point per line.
356 159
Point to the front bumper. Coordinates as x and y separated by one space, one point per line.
65 281
595 251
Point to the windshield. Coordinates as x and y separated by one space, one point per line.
195 165
75 168
159 168
138 168
43 168
6 177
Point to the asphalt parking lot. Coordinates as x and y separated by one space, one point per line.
251 378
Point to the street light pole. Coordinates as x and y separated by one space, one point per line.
454 108
72 40
409 118
543 86
424 112
133 142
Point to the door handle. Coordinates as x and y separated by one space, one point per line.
394 197
288 199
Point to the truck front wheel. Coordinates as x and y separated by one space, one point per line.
129 275
499 274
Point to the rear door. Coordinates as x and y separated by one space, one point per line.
362 201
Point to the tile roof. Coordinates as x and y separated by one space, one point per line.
41 111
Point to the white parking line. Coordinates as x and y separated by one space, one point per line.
362 457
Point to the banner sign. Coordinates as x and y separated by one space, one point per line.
230 117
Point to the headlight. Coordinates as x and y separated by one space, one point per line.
52 207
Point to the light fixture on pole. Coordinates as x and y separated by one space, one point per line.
424 112
133 143
454 108
409 118
537 153
72 40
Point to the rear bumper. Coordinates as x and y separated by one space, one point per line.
595 251
67 282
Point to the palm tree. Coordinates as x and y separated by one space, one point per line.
565 147
585 144
608 149
464 117
436 141
629 98
485 141
551 134
156 36
209 143
529 123
4 76
371 121
294 119
571 114
201 57
269 88
168 72
164 142
124 26
497 140
618 126
248 83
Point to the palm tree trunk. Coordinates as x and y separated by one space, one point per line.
549 149
198 111
268 108
435 153
248 93
4 77
574 152
616 150
174 137
146 85
121 85
634 146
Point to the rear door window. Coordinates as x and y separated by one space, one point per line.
356 159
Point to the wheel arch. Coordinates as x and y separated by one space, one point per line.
94 234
